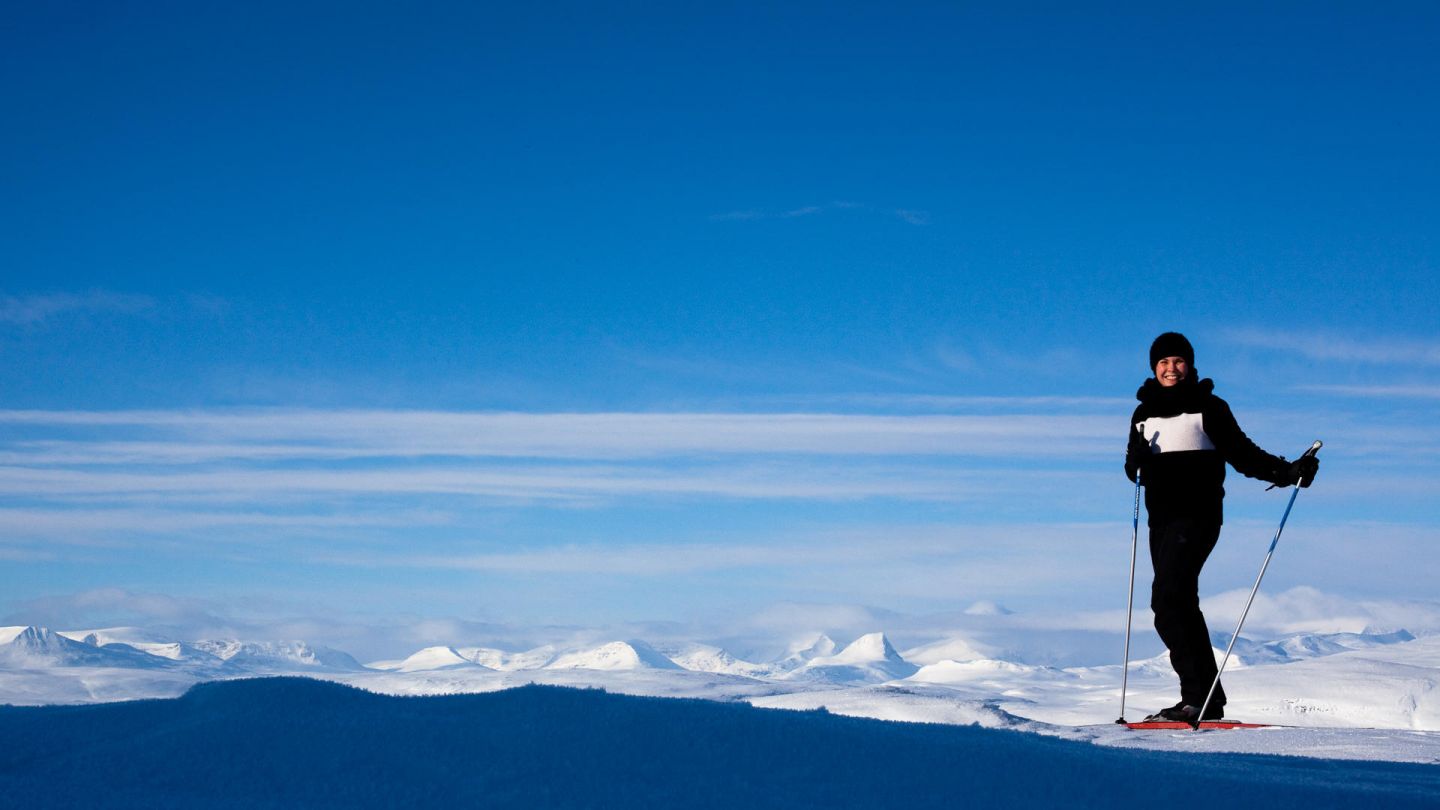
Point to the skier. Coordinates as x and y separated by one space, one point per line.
1181 437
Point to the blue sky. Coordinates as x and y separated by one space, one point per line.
322 315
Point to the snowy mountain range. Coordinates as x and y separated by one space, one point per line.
1371 679
40 647
29 648
869 659
1303 646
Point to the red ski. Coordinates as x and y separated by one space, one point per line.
1179 725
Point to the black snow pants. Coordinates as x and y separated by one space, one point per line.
1178 550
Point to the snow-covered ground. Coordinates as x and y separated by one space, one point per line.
1340 695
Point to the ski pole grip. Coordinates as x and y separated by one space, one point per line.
1305 479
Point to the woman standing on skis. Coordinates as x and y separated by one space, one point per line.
1181 438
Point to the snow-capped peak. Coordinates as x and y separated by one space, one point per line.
430 658
35 647
38 639
617 655
815 646
801 652
869 648
868 659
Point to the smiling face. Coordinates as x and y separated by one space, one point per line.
1171 370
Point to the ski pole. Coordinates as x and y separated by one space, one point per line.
1314 448
1130 601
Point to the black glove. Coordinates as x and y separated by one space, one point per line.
1303 469
1137 452
1300 471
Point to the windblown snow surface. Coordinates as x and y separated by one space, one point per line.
1339 696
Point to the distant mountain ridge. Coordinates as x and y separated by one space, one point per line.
32 647
868 659
1305 646
39 666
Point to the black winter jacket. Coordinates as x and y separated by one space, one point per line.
1180 440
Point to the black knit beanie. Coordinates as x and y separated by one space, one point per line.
1171 344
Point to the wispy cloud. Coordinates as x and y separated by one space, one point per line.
1299 609
114 606
751 481
198 435
97 481
1061 404
99 485
37 309
911 404
737 216
57 522
1310 610
748 214
876 561
256 467
1377 391
507 498
803 211
909 215
939 364
1340 348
